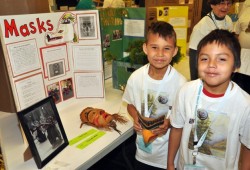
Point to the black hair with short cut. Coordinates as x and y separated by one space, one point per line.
216 2
164 29
223 37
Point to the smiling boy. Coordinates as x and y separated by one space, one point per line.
211 115
150 92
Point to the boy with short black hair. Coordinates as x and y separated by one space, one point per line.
211 115
150 92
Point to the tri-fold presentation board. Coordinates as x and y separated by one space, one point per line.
53 54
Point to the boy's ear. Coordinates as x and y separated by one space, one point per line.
144 47
236 70
175 51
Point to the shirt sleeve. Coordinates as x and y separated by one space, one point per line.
237 27
128 96
177 119
245 128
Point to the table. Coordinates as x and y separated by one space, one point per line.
13 145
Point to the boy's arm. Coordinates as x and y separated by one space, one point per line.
245 156
173 146
133 113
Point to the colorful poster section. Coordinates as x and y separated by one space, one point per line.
120 27
53 54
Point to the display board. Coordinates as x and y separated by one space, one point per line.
119 28
111 20
134 27
57 54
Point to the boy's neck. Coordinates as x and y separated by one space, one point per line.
157 74
215 90
207 93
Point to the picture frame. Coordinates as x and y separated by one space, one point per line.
56 69
67 88
87 26
44 131
54 90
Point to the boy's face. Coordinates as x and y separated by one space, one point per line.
159 51
221 9
215 66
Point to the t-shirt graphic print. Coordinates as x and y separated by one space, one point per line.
216 139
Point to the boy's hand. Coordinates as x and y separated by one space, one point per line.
134 114
137 126
162 129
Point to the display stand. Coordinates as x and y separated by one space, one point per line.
27 155
13 145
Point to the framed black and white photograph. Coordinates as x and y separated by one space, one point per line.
56 69
87 26
44 131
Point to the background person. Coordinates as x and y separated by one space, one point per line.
242 28
217 18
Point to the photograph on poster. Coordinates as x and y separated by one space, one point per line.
44 130
106 41
54 91
23 57
117 34
56 69
163 12
54 53
67 88
87 26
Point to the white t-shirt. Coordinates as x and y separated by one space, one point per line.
156 152
205 26
226 118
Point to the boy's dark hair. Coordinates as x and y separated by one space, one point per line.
215 2
164 29
223 37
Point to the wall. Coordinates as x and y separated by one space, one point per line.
12 7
